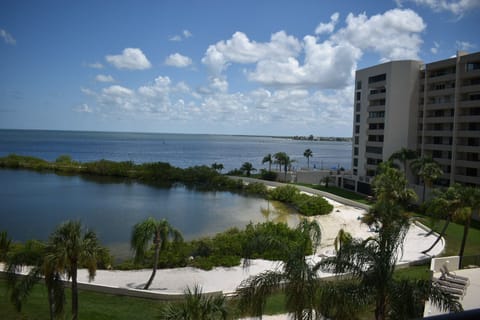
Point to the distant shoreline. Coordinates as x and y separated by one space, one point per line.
302 138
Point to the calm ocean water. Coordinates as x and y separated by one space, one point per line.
181 150
32 203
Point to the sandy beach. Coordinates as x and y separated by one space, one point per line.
174 281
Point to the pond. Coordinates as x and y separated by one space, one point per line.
32 204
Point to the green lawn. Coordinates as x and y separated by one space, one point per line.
454 237
92 306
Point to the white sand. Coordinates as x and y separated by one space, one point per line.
174 281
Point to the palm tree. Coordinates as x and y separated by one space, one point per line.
268 158
33 253
282 159
296 278
371 264
447 205
5 245
428 170
217 167
307 154
68 248
343 237
403 155
471 202
247 167
196 306
160 233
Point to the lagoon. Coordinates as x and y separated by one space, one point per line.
32 204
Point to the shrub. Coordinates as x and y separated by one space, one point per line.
284 194
268 175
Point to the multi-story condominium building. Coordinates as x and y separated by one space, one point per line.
433 108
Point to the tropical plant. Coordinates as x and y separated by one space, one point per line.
217 167
296 277
470 197
307 154
196 306
343 237
428 170
158 232
247 168
33 254
283 160
403 155
5 245
70 247
268 158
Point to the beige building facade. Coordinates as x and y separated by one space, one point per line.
433 108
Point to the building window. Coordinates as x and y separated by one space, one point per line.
376 114
358 95
355 172
357 129
471 172
355 162
376 150
355 151
471 66
359 85
357 107
357 118
356 139
378 78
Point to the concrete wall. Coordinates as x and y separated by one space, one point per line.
451 262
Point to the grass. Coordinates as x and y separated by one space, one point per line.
454 236
339 192
92 305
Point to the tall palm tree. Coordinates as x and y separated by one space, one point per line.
371 264
307 154
217 167
403 155
33 254
447 205
268 158
158 232
196 306
283 160
70 247
247 167
428 170
343 237
471 200
296 278
5 245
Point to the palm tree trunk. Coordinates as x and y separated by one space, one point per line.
466 227
423 193
155 266
74 292
442 233
50 302
380 308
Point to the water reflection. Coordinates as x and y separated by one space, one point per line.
33 204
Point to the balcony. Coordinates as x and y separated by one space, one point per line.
441 92
377 96
467 164
443 147
469 133
465 148
375 120
470 88
439 106
375 131
376 108
469 103
467 179
448 119
438 133
470 74
468 118
374 144
445 77
373 155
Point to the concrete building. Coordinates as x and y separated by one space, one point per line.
432 108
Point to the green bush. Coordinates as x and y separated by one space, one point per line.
268 175
284 194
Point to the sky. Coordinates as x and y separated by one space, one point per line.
216 67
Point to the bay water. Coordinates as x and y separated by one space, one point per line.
32 204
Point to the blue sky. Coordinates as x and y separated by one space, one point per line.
228 67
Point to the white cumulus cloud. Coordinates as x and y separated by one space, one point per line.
456 7
328 27
394 34
131 58
178 60
84 108
104 78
